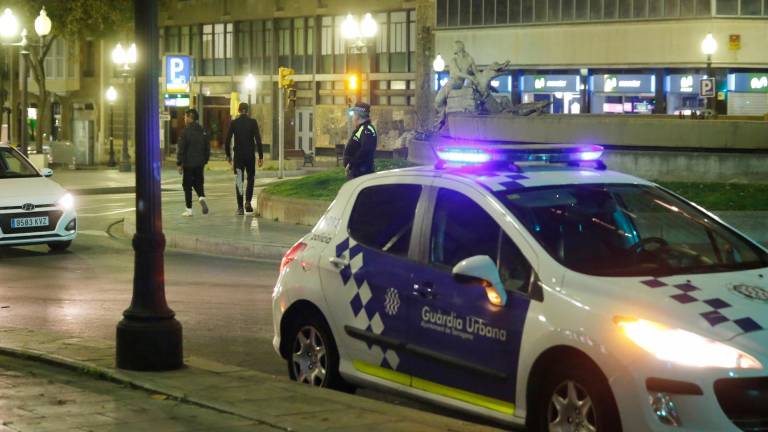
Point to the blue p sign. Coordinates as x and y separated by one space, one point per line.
177 73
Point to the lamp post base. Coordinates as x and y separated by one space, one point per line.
125 166
149 344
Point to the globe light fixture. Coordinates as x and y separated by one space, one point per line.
368 26
131 55
350 29
9 25
118 55
439 64
43 23
111 94
709 45
250 82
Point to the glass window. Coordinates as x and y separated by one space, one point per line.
527 12
501 11
465 12
184 40
461 229
477 12
208 41
671 8
514 11
703 8
566 9
629 230
639 8
751 7
298 36
12 165
172 39
656 8
553 10
382 217
540 10
727 7
453 13
442 13
489 12
687 8
610 9
582 10
595 10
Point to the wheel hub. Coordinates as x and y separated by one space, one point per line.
571 410
308 359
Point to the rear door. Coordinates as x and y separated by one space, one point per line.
467 347
368 273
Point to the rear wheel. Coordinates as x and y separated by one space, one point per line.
574 398
59 246
313 358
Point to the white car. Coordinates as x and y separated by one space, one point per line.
33 209
564 297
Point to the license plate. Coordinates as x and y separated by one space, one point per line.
29 222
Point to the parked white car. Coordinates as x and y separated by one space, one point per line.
564 298
33 208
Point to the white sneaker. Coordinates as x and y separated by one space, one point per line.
187 212
203 204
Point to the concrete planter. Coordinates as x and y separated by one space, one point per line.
290 210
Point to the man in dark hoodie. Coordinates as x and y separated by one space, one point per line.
192 154
247 142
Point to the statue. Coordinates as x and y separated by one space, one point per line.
462 68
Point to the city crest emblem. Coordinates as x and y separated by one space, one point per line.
751 292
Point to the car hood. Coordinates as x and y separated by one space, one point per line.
34 190
716 305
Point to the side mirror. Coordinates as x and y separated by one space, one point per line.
46 172
481 269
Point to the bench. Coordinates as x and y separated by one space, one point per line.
307 158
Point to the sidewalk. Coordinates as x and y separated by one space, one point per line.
260 401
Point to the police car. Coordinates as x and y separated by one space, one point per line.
33 209
557 295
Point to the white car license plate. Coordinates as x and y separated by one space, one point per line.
29 222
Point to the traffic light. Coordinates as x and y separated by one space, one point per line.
283 80
353 82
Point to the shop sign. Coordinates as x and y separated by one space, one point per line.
683 83
625 83
707 88
178 70
734 42
748 82
551 83
686 84
176 99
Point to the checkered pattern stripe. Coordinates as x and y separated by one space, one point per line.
717 309
364 311
505 182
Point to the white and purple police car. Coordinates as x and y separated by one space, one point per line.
33 209
557 295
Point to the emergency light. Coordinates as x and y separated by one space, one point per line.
474 155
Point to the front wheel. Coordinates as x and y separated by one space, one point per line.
574 398
59 246
314 359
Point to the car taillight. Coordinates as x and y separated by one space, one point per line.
291 255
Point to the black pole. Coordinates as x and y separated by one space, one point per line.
148 337
125 161
24 94
112 162
710 100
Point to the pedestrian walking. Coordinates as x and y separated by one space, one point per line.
247 141
192 154
360 150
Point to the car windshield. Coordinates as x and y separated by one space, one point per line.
13 165
629 230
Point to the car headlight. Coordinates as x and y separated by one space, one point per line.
67 201
683 347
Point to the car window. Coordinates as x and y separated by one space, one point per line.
461 229
13 166
383 215
629 230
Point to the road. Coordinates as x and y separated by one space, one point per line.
223 304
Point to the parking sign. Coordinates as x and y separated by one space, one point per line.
707 87
177 73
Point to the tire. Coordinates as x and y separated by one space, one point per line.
574 383
311 334
59 246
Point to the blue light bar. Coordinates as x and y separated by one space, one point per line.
464 155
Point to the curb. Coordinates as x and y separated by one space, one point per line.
116 377
216 247
290 210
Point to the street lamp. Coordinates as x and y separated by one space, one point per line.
359 32
250 85
709 47
439 64
9 25
125 59
111 96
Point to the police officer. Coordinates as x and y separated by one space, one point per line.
361 147
192 154
245 130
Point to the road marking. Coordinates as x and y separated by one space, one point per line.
108 213
93 233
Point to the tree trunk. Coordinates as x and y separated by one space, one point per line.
37 65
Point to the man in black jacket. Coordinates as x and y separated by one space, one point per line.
242 158
192 154
361 147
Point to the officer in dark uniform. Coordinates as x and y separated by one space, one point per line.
245 130
192 154
361 147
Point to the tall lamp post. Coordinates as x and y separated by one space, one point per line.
111 96
125 60
250 85
9 29
149 338
709 47
358 34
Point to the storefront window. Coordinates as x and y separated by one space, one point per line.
566 10
639 8
751 7
582 10
687 8
727 7
553 10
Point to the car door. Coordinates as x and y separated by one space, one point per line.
368 276
467 348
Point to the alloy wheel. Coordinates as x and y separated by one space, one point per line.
309 360
571 409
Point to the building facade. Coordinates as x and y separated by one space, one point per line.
616 56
